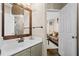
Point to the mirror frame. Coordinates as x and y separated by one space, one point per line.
16 36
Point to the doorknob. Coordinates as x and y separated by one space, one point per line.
74 37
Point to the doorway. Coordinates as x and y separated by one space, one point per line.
53 16
67 30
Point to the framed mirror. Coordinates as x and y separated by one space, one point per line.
16 21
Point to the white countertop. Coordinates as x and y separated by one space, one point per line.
10 48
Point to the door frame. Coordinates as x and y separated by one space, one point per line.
77 29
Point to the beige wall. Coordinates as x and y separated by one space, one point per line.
38 19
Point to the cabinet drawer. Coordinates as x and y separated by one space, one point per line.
23 53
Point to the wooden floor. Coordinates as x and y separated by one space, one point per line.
52 52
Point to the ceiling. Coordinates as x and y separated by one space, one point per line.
55 5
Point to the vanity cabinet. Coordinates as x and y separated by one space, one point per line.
35 50
25 52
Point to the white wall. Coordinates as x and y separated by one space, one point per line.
38 19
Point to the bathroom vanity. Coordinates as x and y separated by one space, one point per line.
35 50
17 31
30 47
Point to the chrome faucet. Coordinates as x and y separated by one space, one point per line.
21 40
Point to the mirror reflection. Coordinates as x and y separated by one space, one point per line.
17 20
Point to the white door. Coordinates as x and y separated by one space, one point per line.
68 30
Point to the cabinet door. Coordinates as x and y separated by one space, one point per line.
23 53
36 50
